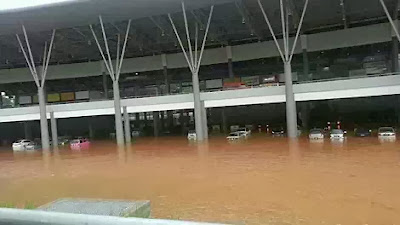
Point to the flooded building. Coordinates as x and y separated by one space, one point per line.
113 71
332 51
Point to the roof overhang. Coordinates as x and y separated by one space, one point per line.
83 12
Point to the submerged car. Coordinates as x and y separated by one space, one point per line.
235 136
63 141
316 134
337 134
23 145
135 133
192 136
363 132
80 143
244 131
278 132
386 132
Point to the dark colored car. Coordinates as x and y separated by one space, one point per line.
278 131
363 132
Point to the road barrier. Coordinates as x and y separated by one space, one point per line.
35 217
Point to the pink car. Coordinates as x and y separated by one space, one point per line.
81 143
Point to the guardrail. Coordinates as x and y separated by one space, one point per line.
36 217
348 78
219 90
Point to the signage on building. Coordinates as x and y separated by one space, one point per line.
80 95
53 97
214 84
67 96
23 100
269 79
251 81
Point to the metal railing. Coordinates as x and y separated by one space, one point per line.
348 78
36 217
219 90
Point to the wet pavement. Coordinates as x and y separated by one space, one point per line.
257 181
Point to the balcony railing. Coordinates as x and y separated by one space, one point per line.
218 90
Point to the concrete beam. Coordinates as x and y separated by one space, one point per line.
357 36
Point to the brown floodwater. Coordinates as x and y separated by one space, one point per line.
257 181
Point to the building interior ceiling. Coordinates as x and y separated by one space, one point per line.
234 22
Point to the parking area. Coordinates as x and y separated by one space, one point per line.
260 180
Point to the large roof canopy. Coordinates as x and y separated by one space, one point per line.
71 13
234 22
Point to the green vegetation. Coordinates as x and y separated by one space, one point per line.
27 205
6 205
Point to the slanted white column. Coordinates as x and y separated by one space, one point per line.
306 63
204 120
54 133
287 56
395 34
127 126
194 61
230 62
114 74
394 24
39 78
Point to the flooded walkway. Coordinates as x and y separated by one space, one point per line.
258 181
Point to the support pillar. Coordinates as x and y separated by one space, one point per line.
306 63
230 63
44 126
305 115
127 126
54 135
395 49
137 120
114 74
162 121
145 119
27 130
193 60
204 120
39 81
291 113
224 121
91 131
170 119
182 121
165 73
105 85
16 101
198 118
118 116
156 123
397 109
287 56
167 88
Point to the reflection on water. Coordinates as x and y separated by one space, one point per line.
338 141
255 181
317 141
387 139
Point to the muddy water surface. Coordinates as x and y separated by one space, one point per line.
258 181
